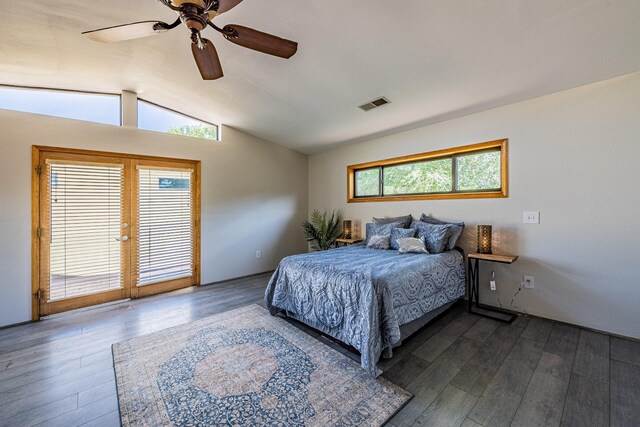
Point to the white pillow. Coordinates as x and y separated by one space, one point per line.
412 245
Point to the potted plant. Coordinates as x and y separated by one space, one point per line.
322 231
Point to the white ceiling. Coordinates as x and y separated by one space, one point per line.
434 59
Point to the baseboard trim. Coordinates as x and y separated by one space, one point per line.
238 278
600 331
11 325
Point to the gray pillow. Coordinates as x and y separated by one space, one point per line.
405 220
456 229
400 233
412 245
378 242
435 236
380 229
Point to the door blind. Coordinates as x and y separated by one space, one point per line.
85 207
165 225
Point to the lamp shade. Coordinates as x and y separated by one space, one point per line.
347 232
484 239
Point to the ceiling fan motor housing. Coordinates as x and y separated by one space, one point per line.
203 4
193 17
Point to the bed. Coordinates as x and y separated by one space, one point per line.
364 296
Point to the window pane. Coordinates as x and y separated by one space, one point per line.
368 182
90 107
479 171
158 119
165 225
85 208
434 176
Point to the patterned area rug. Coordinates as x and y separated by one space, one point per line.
246 368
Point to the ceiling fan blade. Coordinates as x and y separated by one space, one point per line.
262 42
223 6
207 60
227 5
119 33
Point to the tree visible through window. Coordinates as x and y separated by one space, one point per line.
472 171
433 176
160 119
196 131
479 171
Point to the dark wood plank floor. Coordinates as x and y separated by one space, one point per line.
463 369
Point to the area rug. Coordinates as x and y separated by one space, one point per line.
246 368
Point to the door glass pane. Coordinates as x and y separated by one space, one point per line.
434 176
165 225
479 171
85 204
368 182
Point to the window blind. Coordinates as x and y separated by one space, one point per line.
85 204
165 225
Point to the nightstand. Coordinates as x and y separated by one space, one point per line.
473 281
346 242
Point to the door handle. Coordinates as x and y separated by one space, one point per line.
122 239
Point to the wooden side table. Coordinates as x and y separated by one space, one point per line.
346 242
473 281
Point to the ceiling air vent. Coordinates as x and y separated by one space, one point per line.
374 104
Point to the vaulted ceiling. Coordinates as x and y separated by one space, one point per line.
433 59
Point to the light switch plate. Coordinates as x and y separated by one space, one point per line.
531 217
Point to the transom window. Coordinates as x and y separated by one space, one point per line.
103 108
87 106
472 171
160 119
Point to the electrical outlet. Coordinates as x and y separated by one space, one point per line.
258 254
529 282
531 218
492 283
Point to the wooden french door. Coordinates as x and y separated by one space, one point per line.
111 226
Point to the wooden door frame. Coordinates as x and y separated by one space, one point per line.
37 150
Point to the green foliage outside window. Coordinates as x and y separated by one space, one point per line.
196 131
368 182
479 171
434 176
475 172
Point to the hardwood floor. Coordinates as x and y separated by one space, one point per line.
463 369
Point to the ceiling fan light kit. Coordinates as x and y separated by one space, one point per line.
197 15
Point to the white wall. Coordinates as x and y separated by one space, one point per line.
575 157
254 196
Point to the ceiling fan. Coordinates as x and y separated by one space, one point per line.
197 15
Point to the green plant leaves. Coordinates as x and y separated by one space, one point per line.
321 231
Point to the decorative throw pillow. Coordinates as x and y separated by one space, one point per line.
456 229
405 220
381 229
435 236
400 233
412 245
378 242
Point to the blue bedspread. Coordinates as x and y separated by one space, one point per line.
361 296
